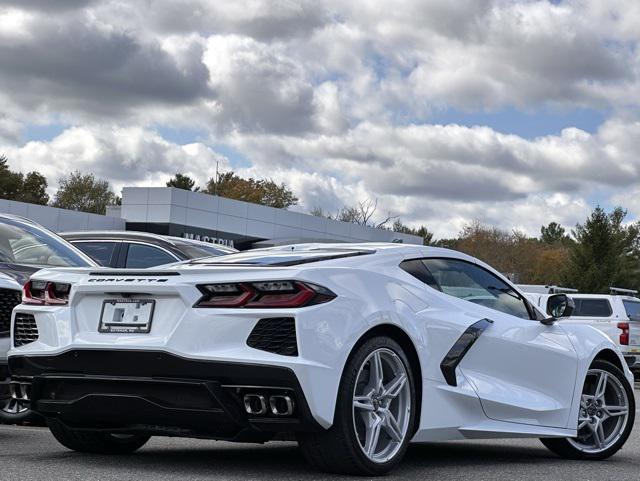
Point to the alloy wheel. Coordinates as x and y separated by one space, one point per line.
18 401
604 412
381 405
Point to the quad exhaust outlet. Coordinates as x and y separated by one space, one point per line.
257 404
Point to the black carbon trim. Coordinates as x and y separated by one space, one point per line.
460 349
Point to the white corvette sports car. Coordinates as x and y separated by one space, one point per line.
356 350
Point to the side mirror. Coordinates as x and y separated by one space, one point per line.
559 305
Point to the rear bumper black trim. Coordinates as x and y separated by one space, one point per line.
91 389
460 349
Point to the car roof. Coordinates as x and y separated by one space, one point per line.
116 235
379 251
129 235
19 218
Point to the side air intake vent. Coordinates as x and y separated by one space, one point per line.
9 298
276 335
25 329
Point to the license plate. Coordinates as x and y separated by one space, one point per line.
127 316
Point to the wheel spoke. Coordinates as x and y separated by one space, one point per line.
602 385
392 389
377 373
597 433
582 422
391 426
373 434
363 402
613 411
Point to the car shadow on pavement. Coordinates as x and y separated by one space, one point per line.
281 461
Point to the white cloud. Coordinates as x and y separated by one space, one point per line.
333 98
122 155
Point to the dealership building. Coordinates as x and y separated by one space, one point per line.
194 215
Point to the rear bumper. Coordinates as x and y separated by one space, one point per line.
161 394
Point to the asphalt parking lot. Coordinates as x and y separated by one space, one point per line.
29 453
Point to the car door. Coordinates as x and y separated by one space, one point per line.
522 370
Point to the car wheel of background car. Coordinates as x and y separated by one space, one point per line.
607 413
96 442
15 408
375 414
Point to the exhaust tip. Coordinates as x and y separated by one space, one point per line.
255 404
281 405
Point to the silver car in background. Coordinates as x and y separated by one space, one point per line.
25 247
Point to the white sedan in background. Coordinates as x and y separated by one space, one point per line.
353 350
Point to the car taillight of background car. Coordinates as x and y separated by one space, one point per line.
45 293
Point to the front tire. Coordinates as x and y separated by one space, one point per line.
375 414
606 416
96 442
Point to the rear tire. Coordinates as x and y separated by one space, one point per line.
593 443
372 416
95 442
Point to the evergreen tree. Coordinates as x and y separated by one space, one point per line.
10 182
605 253
553 233
184 182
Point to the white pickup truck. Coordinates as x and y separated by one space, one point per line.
617 315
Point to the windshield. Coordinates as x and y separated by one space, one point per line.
26 244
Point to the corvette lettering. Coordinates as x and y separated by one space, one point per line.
128 279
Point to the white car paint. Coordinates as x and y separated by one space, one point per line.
606 324
520 379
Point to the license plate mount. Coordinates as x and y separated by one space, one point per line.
126 316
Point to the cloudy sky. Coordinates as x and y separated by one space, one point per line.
516 113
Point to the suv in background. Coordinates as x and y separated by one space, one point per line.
25 247
140 250
616 314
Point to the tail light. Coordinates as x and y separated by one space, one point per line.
263 295
624 335
44 293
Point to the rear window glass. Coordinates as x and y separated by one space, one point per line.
592 308
281 258
101 252
632 308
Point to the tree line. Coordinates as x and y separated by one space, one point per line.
601 252
76 191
